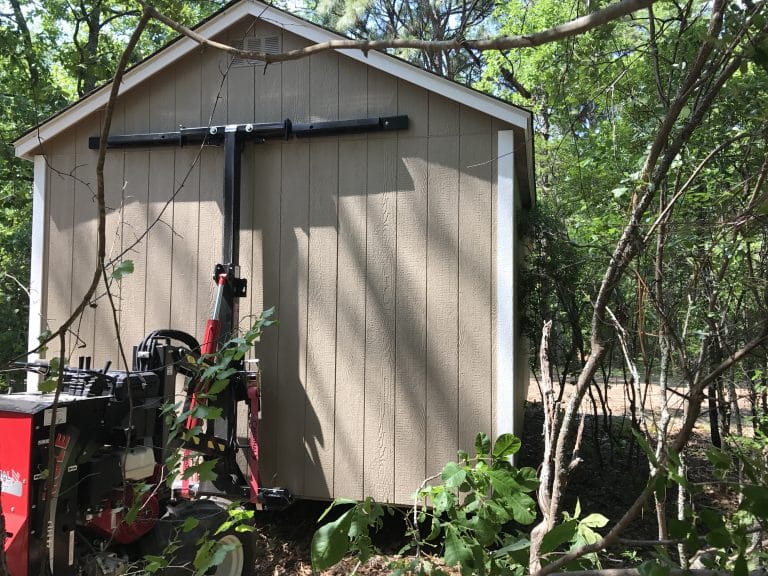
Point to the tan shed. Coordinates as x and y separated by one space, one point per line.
390 257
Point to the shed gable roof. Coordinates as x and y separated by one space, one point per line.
28 144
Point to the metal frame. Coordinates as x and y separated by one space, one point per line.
234 137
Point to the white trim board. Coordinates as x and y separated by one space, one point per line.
506 336
36 266
28 144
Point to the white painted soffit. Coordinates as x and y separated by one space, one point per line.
27 145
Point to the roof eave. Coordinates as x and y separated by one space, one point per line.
31 143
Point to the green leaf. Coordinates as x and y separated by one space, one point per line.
558 536
711 518
719 538
211 554
336 502
205 412
49 385
643 443
527 479
154 563
204 470
484 530
189 524
217 387
594 521
523 508
453 475
522 544
502 482
482 444
123 269
330 542
718 458
506 445
442 501
679 529
456 549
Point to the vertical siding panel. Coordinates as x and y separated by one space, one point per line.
349 422
135 196
211 223
60 232
380 319
267 162
268 82
321 313
185 267
214 65
321 328
294 223
295 91
411 305
353 98
382 93
84 239
473 122
240 97
135 209
265 187
324 86
443 116
159 243
265 184
292 346
413 101
105 346
381 276
442 301
475 391
442 283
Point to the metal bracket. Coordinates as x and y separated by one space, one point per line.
239 286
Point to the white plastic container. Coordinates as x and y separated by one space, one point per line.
138 463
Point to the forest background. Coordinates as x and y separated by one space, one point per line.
648 248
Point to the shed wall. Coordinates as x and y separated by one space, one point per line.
377 250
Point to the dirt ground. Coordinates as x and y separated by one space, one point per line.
607 481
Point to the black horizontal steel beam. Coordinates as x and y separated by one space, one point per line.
215 135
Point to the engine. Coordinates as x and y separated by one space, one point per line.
107 444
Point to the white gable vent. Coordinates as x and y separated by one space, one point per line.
265 44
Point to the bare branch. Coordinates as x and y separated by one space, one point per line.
559 32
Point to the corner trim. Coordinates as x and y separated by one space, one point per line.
506 337
36 265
